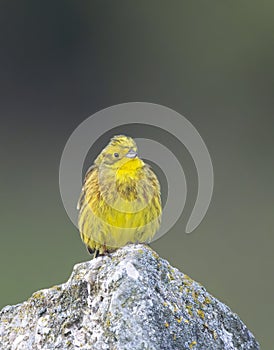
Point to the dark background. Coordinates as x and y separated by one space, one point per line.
211 61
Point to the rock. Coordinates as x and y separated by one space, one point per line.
131 299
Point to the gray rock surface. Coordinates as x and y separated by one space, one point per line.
131 299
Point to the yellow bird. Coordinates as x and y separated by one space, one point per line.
120 202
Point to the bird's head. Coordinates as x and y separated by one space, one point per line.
120 150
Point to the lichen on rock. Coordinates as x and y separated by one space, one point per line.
131 299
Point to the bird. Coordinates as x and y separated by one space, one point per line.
120 201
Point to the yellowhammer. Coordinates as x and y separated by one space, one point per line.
120 201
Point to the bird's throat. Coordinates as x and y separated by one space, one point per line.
129 170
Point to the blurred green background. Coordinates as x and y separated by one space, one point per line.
211 61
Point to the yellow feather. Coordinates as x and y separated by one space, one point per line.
120 201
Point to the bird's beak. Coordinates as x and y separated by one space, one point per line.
131 154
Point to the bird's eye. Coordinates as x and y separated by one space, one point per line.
116 155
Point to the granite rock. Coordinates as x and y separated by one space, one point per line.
131 299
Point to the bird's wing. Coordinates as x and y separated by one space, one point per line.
153 180
150 172
82 195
